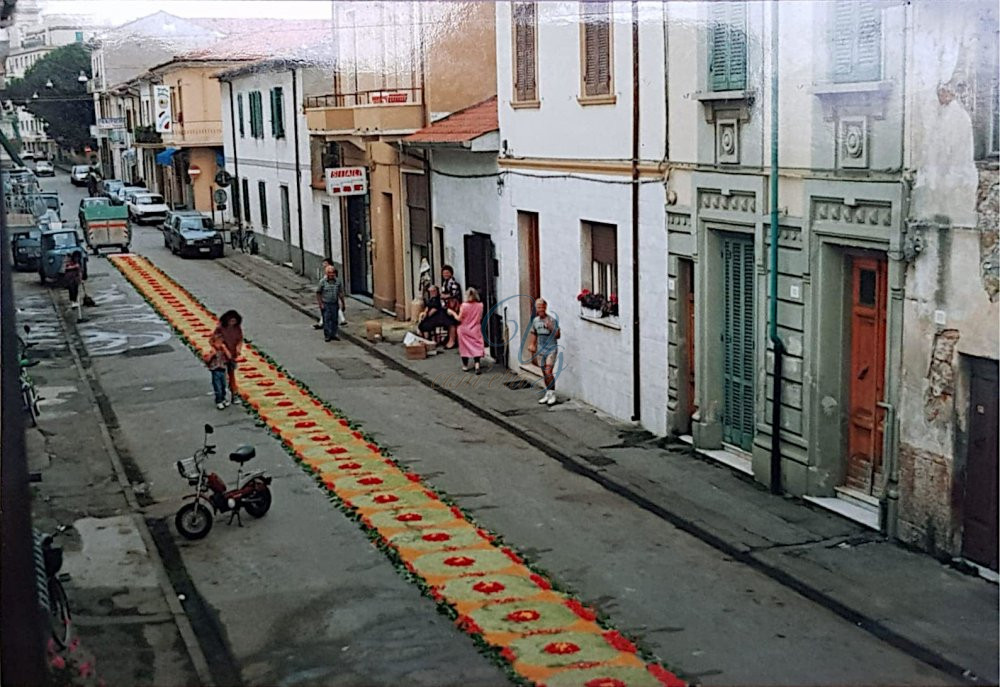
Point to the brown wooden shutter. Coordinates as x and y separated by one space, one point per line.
524 51
604 244
597 48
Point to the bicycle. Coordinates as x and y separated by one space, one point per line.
29 393
51 593
243 239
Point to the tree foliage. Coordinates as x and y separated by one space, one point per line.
66 107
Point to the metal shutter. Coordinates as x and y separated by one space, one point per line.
604 244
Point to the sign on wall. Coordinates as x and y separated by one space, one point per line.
161 108
107 123
346 181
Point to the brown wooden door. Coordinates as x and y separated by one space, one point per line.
866 423
688 272
534 262
530 276
979 534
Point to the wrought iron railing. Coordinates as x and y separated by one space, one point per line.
147 134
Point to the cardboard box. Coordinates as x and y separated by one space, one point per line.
418 352
373 330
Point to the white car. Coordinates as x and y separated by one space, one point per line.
147 208
44 168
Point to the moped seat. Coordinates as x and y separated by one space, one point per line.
242 454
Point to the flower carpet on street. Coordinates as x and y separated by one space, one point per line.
518 617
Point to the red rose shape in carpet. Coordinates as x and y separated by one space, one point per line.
523 616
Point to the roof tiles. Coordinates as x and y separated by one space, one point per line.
461 126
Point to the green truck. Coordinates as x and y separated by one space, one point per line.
105 226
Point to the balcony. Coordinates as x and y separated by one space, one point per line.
195 133
147 135
366 113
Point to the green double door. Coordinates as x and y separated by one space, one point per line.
738 338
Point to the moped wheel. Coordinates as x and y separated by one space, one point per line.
258 501
60 620
30 405
193 520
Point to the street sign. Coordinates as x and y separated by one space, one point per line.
194 170
107 123
220 196
161 109
223 178
346 181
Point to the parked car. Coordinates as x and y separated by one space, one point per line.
27 155
110 188
90 202
147 208
127 192
57 243
52 202
194 234
168 221
44 168
25 247
78 175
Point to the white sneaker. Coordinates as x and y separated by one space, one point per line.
225 404
544 399
551 400
220 406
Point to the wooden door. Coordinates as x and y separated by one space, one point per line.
866 423
530 275
689 323
979 533
481 274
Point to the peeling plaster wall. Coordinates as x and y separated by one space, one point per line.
951 289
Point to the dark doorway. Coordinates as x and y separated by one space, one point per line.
481 274
358 241
979 533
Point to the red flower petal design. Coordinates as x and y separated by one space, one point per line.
580 610
304 424
525 615
666 678
320 437
604 682
283 404
385 498
412 477
369 481
334 450
409 517
492 587
373 448
436 536
459 561
296 413
349 466
561 648
619 641
275 393
509 654
511 555
540 581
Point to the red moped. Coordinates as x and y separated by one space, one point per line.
211 495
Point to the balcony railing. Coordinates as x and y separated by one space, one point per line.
382 96
367 112
194 132
147 134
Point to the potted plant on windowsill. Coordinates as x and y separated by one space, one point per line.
591 304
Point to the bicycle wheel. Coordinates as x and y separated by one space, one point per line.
60 620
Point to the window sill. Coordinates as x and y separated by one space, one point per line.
844 87
610 321
607 99
525 104
715 96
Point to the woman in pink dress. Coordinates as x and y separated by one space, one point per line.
470 329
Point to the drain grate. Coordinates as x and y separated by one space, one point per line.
517 384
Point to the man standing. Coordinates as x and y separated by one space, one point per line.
330 298
543 348
321 274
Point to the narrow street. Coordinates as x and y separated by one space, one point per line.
302 597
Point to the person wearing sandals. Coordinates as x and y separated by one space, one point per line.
435 314
470 329
230 329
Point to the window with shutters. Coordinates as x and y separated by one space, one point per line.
595 48
603 241
256 114
525 22
856 41
727 58
246 199
239 114
277 113
262 196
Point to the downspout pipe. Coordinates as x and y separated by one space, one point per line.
776 342
636 364
298 170
238 201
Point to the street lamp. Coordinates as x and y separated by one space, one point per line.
48 84
83 77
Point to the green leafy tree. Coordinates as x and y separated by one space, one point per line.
65 107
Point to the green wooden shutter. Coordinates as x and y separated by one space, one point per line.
239 113
856 43
727 62
278 112
274 116
738 341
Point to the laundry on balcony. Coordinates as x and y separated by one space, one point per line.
166 157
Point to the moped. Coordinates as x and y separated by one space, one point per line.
211 495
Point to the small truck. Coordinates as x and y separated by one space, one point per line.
106 226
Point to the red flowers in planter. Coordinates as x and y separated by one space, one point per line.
607 305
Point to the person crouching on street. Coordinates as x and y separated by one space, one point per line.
330 299
218 365
231 330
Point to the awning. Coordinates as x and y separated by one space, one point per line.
166 157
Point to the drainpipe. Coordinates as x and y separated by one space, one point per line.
238 196
636 399
779 346
666 89
298 170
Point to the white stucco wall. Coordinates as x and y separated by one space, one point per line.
598 359
272 161
464 206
